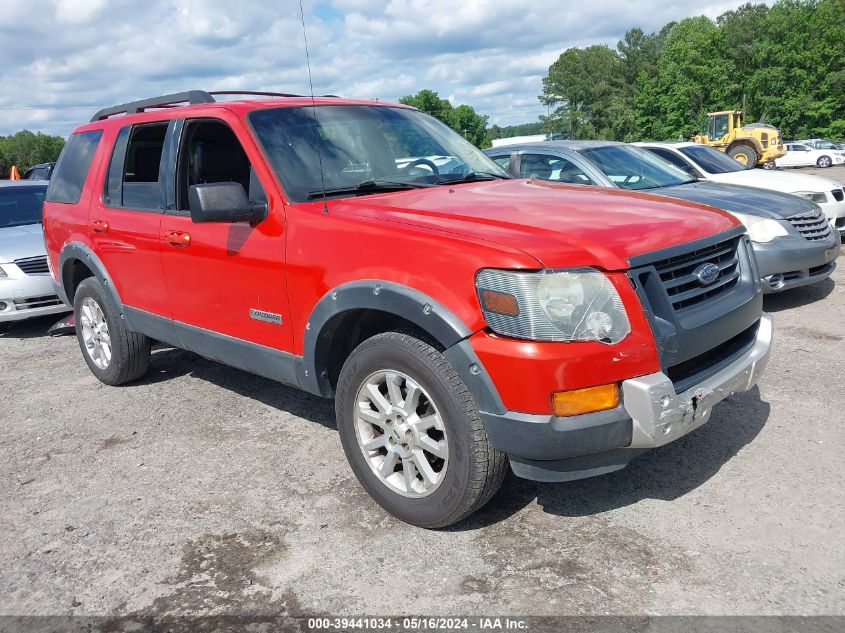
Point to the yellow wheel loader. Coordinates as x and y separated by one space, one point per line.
755 144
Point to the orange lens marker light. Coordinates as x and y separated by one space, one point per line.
500 302
587 400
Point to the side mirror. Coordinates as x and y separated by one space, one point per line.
224 202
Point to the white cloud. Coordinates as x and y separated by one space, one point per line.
77 11
61 60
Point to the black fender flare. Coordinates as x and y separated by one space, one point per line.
80 252
413 305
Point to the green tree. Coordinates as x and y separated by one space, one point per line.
25 149
691 79
522 129
741 31
640 53
463 118
799 81
586 89
429 102
785 63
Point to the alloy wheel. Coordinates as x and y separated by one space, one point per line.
95 333
401 433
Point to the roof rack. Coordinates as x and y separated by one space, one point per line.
164 101
253 93
191 97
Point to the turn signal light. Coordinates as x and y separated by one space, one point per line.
589 400
500 302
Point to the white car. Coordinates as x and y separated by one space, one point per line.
26 287
800 155
823 143
701 161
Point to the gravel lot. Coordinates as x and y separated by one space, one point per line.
204 489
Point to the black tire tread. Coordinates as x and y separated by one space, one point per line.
130 350
753 157
489 466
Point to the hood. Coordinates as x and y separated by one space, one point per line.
17 242
777 180
559 225
740 199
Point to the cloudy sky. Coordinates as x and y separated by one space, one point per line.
61 60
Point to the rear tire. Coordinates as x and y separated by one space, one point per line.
744 155
419 449
824 161
114 354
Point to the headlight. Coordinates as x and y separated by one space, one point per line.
579 304
761 229
814 196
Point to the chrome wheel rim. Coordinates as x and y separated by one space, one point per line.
401 434
824 161
95 333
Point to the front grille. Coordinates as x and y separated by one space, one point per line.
37 302
840 222
683 286
813 225
698 368
838 194
33 265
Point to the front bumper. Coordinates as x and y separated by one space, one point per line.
790 262
25 296
835 213
549 448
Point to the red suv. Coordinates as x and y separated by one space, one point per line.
460 318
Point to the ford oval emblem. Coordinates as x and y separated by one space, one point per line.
707 273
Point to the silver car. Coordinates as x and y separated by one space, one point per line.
26 289
793 242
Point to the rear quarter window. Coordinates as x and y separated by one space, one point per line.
72 167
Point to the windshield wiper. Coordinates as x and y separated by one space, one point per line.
366 186
474 176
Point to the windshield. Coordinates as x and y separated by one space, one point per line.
21 205
711 160
374 146
634 168
825 145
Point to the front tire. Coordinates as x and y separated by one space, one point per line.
412 433
114 354
824 161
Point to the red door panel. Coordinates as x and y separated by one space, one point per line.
130 248
217 273
228 278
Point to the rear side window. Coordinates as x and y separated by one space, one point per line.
72 167
133 179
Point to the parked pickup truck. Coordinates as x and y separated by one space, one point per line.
461 319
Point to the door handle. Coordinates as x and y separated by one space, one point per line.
179 239
100 226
